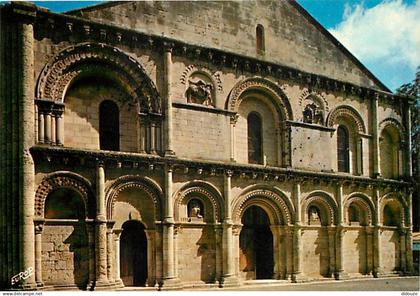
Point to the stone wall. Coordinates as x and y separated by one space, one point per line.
315 254
65 255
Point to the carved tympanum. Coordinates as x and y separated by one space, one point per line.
199 92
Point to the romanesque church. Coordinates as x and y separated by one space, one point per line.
183 144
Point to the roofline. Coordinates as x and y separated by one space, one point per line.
323 30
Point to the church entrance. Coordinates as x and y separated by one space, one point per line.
133 254
256 245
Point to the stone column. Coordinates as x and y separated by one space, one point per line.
377 252
91 251
59 126
331 249
275 230
409 235
39 227
101 279
152 134
151 275
169 280
229 277
339 258
375 136
288 255
117 268
41 126
297 252
233 121
403 263
167 64
26 140
369 249
110 252
53 129
47 127
142 134
297 275
218 230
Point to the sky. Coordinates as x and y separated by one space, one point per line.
383 34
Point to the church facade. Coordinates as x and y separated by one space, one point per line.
180 144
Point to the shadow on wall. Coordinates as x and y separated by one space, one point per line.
321 249
206 251
360 242
78 241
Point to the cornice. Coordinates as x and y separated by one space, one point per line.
62 27
72 157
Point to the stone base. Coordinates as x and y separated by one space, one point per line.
26 287
377 274
230 281
341 275
119 284
101 285
298 278
170 284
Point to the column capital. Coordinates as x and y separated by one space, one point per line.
234 119
167 46
228 173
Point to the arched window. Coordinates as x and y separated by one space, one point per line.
354 214
260 39
64 204
389 154
391 215
254 138
343 149
109 126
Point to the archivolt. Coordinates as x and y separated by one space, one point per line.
263 85
75 60
150 187
325 200
64 179
349 112
211 193
395 124
281 210
393 197
364 201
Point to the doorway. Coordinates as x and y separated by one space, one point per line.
256 245
133 254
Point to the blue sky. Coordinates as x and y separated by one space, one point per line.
383 34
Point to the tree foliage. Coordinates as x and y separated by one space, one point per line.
413 89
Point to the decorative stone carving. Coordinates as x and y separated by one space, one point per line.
199 93
195 209
349 112
63 180
313 216
313 114
262 85
201 84
72 61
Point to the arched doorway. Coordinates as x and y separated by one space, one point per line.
256 245
133 254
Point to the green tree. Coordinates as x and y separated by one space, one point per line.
413 89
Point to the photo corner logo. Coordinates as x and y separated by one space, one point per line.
23 275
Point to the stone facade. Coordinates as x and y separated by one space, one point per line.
176 144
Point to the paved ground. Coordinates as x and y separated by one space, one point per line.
371 284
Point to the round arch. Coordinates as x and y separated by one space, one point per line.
272 200
147 185
265 86
325 201
395 201
69 180
396 128
350 114
206 192
364 203
77 60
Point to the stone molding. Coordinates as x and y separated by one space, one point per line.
64 179
349 112
72 61
274 202
145 184
202 188
327 202
260 85
395 124
364 201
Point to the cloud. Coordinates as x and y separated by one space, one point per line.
386 35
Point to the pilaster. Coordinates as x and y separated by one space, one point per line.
39 227
167 62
